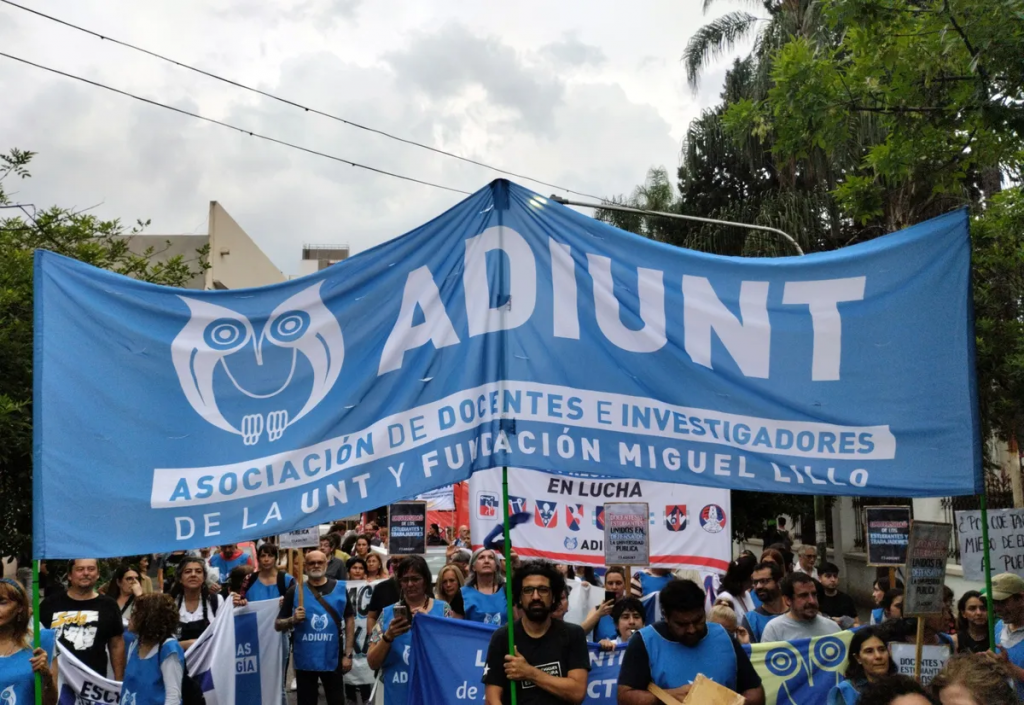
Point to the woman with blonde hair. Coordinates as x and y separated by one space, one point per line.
19 662
973 679
449 588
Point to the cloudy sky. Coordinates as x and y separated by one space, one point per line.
587 95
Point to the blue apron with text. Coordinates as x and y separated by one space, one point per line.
674 665
317 637
17 681
488 609
395 669
143 680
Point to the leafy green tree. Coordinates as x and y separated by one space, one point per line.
103 243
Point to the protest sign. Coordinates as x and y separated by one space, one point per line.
688 527
626 535
1005 540
509 331
887 531
933 658
927 553
407 528
359 593
302 538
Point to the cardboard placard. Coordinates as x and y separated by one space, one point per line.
887 532
933 658
927 554
1005 541
303 538
407 528
627 533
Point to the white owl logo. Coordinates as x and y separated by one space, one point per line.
214 333
319 622
128 698
8 696
405 654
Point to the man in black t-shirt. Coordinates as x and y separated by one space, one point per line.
552 660
836 605
87 624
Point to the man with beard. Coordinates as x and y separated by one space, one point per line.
318 634
672 652
551 661
802 621
766 579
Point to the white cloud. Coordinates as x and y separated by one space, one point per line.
473 79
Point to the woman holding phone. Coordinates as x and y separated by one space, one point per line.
600 620
390 640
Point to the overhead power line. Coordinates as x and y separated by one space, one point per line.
233 127
293 104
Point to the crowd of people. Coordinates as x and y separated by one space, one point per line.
136 626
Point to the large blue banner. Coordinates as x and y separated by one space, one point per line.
508 331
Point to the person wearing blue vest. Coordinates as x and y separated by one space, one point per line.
765 579
483 595
1008 604
268 583
318 644
673 652
156 661
600 619
391 641
18 661
869 661
229 557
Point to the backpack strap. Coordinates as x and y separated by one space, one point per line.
327 608
282 587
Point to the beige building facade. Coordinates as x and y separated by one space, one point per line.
236 261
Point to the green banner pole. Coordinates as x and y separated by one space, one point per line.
36 638
987 559
508 574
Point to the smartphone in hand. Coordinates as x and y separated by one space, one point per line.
609 595
401 612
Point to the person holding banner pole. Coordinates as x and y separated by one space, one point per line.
551 660
318 621
21 665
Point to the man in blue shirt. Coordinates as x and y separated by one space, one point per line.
673 652
227 558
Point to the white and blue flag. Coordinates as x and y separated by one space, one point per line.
240 657
509 331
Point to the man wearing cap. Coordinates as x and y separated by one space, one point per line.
1008 604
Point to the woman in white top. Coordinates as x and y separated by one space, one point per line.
736 585
197 606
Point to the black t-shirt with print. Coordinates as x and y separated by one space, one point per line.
563 648
83 626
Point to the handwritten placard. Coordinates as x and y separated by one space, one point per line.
1005 542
